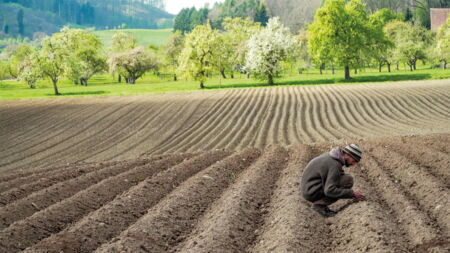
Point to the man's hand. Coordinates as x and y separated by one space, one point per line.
358 195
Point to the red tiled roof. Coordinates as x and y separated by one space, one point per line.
438 17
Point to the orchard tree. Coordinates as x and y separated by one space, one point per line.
267 48
411 42
441 50
52 59
84 59
122 42
29 70
17 55
237 32
133 64
173 51
339 33
380 45
199 52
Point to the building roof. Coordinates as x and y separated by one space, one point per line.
438 17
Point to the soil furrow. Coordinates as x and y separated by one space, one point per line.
301 120
316 132
230 223
415 224
290 224
371 107
355 114
261 136
45 136
67 151
274 133
435 162
167 223
156 127
55 218
126 128
425 104
367 122
124 210
204 120
20 161
24 207
43 181
382 112
328 121
344 127
433 196
54 121
389 109
293 125
228 128
321 115
245 131
392 100
258 124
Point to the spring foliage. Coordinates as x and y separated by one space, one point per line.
267 48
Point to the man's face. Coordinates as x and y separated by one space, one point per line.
349 161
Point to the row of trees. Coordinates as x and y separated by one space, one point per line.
342 35
78 55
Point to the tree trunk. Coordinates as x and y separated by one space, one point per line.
232 75
75 82
322 67
120 78
396 66
201 85
389 67
379 68
356 71
270 79
445 65
411 66
222 72
332 69
31 85
248 75
347 73
175 77
55 87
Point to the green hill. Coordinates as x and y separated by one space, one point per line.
25 17
145 37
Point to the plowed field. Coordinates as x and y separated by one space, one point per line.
220 171
60 131
220 201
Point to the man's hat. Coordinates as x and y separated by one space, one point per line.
354 151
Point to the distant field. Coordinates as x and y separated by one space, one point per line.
144 36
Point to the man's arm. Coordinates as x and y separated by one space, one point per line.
331 187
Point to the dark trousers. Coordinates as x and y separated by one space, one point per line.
346 181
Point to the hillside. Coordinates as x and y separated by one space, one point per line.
297 13
49 15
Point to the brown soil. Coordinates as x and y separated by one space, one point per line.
244 202
54 132
56 194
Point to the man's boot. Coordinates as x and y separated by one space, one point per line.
323 210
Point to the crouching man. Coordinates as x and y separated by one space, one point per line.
324 181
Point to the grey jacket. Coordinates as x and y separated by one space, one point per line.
321 177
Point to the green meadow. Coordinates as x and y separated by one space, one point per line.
107 85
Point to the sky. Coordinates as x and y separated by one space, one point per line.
175 6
